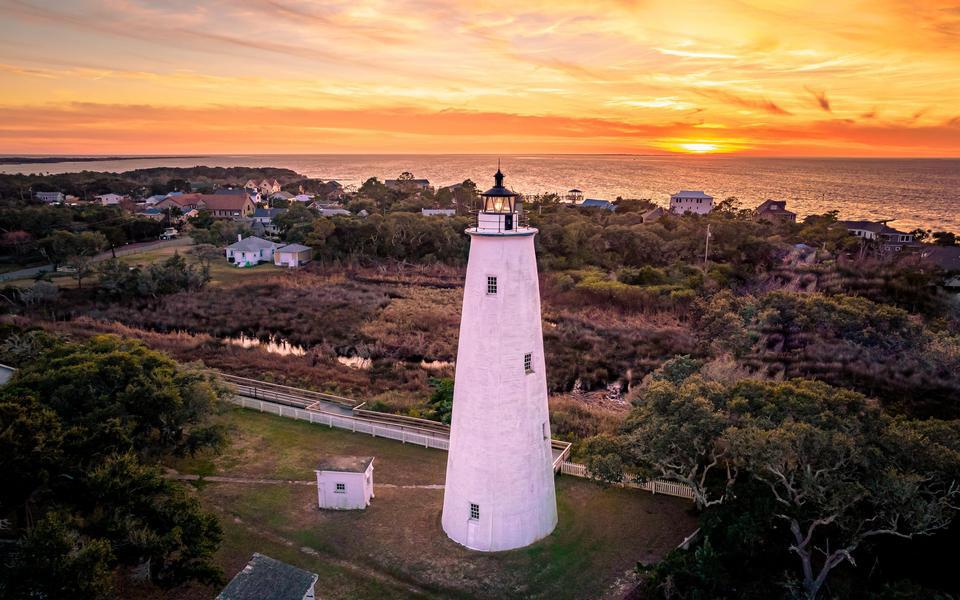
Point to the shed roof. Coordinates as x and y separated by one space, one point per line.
595 203
293 248
349 464
266 577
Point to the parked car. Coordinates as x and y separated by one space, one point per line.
169 234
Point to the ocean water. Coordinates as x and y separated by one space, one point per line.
913 192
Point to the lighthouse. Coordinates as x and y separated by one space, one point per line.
499 491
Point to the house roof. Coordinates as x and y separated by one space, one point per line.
264 213
223 201
691 194
945 257
334 212
575 191
252 244
151 211
293 248
347 464
595 203
872 226
777 205
656 210
283 195
266 577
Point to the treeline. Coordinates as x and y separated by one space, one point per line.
30 234
139 182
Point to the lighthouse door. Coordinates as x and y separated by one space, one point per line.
508 222
473 529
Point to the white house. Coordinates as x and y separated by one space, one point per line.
292 255
499 492
110 199
302 198
268 578
438 212
695 202
251 251
345 482
49 197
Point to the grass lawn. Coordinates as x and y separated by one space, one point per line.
396 547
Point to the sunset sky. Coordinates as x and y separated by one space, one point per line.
835 78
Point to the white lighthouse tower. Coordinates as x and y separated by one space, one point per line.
499 491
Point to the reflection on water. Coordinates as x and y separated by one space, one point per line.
274 345
435 364
355 362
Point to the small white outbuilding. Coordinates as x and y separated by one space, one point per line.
345 482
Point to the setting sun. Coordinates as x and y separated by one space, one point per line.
699 148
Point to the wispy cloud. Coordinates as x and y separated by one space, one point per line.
821 98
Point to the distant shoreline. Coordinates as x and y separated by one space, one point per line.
34 160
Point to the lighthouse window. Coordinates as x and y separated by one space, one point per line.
474 511
491 285
528 363
341 488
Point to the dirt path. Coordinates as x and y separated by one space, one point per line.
218 479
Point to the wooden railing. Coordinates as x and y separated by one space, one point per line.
654 486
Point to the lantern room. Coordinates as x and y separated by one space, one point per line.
501 211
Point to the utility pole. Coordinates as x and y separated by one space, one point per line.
706 250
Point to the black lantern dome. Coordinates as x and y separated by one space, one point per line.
499 199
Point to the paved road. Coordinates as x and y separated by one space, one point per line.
123 251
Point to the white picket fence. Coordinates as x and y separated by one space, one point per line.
401 433
428 439
654 486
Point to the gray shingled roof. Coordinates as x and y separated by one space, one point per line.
293 248
252 244
266 578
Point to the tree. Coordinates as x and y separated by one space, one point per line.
441 400
677 432
837 470
82 430
944 238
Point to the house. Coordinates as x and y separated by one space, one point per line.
574 196
694 202
292 255
155 199
152 213
251 184
594 203
774 211
438 212
281 196
109 199
345 482
268 187
265 216
250 251
302 198
889 238
49 197
653 215
408 184
265 578
235 205
327 211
